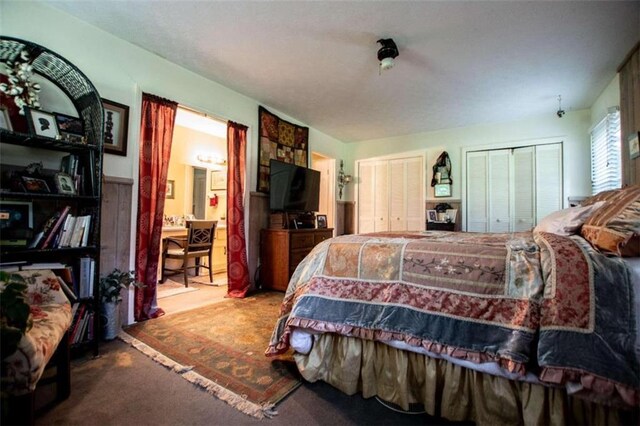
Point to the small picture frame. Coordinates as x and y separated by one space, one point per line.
42 123
170 189
116 127
432 216
634 145
5 119
65 184
71 128
16 214
452 214
218 180
321 221
36 185
442 190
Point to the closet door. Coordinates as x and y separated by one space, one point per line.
397 195
381 196
523 188
549 181
477 191
499 190
414 193
366 195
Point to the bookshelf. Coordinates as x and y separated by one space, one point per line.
58 225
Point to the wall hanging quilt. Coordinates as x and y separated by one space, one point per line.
282 141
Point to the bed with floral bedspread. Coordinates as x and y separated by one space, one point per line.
543 308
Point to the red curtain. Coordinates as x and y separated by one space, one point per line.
156 133
238 268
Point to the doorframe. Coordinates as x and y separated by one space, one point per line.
331 187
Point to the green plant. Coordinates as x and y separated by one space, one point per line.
110 285
15 318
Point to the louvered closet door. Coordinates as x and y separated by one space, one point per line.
499 190
366 194
397 195
477 212
414 192
381 196
523 188
549 181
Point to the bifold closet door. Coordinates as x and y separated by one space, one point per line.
477 189
523 189
500 181
373 201
405 194
548 179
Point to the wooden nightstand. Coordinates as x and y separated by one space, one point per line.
440 226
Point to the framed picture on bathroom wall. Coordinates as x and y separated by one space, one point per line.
218 180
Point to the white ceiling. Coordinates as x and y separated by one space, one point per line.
461 63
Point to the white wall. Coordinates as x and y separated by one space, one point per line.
610 97
572 129
121 71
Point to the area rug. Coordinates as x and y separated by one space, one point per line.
220 348
172 288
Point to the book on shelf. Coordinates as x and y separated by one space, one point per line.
80 232
67 282
77 321
42 265
53 225
85 277
67 230
67 290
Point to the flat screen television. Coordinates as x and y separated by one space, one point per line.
293 188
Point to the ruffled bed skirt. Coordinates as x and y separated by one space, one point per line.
445 389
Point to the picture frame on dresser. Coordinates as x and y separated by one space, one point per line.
116 127
432 216
322 221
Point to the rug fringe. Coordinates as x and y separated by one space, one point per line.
236 401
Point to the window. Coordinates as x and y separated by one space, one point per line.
605 153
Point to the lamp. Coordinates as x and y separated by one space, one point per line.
387 53
560 111
343 179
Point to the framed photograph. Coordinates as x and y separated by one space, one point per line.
71 128
322 221
16 215
442 190
432 216
170 189
65 184
634 145
218 180
42 123
5 120
116 127
452 214
35 185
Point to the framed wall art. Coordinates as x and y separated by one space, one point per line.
171 189
71 128
116 127
42 123
634 145
65 184
218 180
442 190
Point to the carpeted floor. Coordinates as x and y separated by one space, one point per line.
225 343
172 288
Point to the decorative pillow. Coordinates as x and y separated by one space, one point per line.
615 227
567 221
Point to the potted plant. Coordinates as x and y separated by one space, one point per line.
110 297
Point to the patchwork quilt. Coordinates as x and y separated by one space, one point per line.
537 303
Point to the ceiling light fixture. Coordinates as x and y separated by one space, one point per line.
387 53
560 112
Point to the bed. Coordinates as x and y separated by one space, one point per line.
534 327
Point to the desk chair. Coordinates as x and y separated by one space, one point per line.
197 244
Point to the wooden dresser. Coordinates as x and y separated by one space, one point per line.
281 250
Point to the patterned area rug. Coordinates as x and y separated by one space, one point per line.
220 347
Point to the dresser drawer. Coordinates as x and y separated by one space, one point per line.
321 236
296 256
302 240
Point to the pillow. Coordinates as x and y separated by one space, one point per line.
615 227
568 221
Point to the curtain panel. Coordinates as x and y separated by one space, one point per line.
238 269
156 134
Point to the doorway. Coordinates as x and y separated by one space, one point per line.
199 192
327 168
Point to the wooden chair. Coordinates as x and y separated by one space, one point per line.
198 244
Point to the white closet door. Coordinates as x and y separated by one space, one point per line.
499 190
381 196
523 190
397 195
366 194
414 193
477 191
549 181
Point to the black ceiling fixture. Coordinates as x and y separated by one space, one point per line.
387 53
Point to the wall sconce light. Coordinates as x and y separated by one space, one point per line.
343 179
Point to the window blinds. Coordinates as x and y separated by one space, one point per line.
605 154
